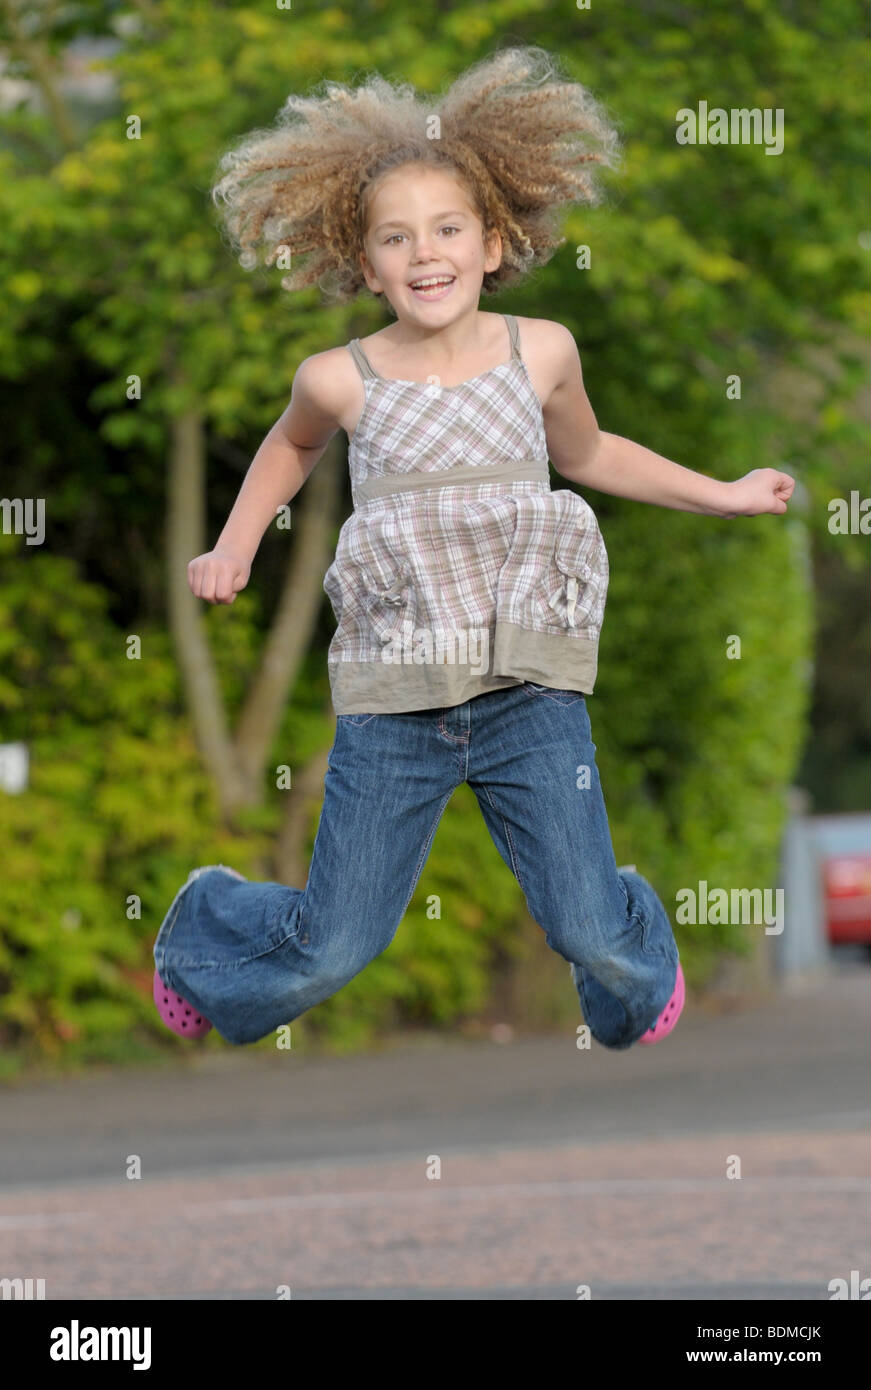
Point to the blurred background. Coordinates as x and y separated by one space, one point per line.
723 320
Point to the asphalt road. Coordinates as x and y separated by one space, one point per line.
559 1168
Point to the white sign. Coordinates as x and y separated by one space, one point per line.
13 767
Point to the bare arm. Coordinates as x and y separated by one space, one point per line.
282 463
278 470
586 455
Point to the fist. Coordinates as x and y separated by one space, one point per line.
762 490
218 575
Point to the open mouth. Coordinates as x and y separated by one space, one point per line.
432 286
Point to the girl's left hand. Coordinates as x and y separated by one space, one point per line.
762 490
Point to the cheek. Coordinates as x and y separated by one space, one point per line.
474 253
389 261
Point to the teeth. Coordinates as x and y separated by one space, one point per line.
427 284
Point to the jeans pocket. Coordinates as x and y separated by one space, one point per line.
557 696
356 720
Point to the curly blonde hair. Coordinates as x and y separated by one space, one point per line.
522 139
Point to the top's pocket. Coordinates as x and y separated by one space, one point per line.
389 603
571 591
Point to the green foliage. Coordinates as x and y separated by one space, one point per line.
118 807
702 707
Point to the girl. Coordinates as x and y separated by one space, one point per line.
468 595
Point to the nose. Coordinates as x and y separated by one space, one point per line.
422 248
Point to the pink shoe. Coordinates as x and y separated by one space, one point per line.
670 1014
177 1013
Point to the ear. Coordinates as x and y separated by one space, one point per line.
493 250
368 275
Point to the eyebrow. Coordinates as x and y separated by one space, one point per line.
452 212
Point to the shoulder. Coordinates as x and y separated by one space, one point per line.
325 379
326 386
546 337
550 352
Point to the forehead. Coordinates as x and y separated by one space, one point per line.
414 190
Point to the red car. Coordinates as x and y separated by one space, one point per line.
847 889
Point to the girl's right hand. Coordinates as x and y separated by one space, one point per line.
218 575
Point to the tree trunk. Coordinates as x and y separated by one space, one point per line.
185 538
238 765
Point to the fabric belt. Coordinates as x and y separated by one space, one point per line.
518 471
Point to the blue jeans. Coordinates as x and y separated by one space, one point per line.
252 956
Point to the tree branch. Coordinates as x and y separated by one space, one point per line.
39 63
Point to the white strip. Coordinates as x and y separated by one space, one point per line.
581 1187
40 1221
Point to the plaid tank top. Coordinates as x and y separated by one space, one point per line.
460 570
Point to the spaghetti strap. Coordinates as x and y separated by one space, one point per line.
364 365
512 329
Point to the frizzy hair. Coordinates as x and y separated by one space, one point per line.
523 139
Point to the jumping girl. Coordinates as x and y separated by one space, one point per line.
468 595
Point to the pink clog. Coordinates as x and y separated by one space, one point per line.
670 1014
177 1013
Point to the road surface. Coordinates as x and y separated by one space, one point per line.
447 1169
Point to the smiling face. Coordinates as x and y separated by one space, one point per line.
422 224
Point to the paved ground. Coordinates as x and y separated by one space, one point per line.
559 1168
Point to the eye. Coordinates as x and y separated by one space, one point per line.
388 241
